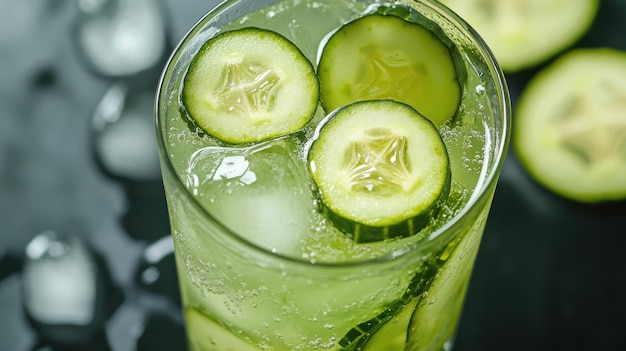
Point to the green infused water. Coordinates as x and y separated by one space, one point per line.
289 279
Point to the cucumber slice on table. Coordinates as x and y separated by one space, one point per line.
380 57
570 126
525 33
381 169
249 85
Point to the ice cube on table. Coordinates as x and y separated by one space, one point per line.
120 38
261 192
59 280
123 133
68 292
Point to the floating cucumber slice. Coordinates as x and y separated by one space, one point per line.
524 33
381 169
570 127
385 57
206 335
250 85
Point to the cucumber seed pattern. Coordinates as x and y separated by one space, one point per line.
379 163
593 126
248 89
388 74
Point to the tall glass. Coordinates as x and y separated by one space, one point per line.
264 270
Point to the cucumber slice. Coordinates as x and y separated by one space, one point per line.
570 127
250 85
381 169
525 33
388 331
434 321
206 335
392 335
380 57
411 321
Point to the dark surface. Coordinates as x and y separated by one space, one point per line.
551 273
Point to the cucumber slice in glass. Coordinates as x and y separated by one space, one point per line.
388 330
415 321
525 33
570 127
381 169
435 319
250 85
380 57
392 335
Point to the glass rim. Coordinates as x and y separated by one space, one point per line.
480 190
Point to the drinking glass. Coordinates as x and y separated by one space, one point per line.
247 287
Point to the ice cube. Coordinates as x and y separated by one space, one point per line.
121 38
59 280
235 167
269 219
68 293
124 139
261 192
